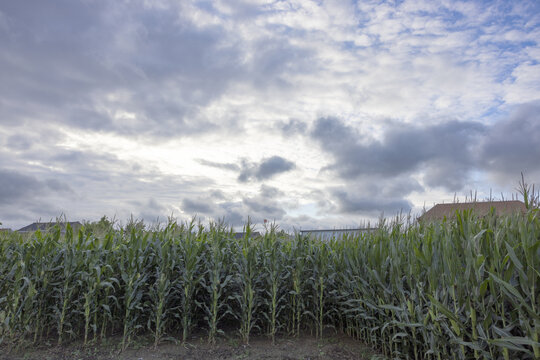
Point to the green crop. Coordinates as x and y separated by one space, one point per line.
466 288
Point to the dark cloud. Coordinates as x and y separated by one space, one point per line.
293 127
379 173
266 169
512 145
218 195
19 143
25 198
130 68
232 213
225 166
442 150
276 59
265 204
400 187
58 186
197 206
369 205
270 192
90 66
15 186
259 206
371 195
263 207
30 210
88 165
272 166
153 211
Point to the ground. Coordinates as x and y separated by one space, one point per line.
305 347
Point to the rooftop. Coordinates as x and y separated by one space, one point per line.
42 226
480 208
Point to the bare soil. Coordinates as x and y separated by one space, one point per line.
305 348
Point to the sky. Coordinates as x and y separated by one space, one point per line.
312 114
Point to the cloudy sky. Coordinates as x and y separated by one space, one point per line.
311 113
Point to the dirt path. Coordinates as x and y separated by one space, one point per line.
305 348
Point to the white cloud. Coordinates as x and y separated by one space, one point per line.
526 84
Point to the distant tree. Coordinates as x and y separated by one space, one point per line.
134 224
101 227
105 222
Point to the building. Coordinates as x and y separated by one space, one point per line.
480 208
5 230
44 226
329 234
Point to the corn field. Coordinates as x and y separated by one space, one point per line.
460 289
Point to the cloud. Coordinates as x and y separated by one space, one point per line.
197 206
232 213
394 101
368 205
148 73
264 204
443 151
225 166
512 144
270 192
370 196
15 186
19 143
268 204
58 186
276 58
263 208
26 197
380 172
266 169
153 211
293 127
84 184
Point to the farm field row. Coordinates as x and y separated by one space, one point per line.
460 289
